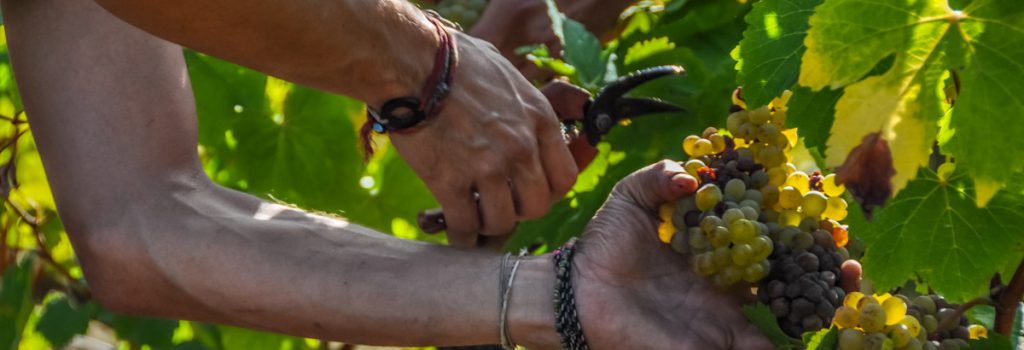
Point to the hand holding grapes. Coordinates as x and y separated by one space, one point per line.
633 291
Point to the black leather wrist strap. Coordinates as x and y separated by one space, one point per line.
402 113
567 322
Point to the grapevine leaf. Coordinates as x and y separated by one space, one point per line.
61 321
824 339
139 331
768 57
984 315
648 48
15 302
238 338
581 49
848 38
811 112
995 341
761 316
991 100
933 230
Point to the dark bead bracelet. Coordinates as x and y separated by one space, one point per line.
567 322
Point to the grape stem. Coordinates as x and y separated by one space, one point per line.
1007 301
954 319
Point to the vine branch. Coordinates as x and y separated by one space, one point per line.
1007 301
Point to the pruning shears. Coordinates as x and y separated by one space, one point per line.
586 120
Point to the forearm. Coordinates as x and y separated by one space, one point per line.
372 50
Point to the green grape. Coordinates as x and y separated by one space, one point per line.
900 335
766 132
750 203
926 303
772 156
717 143
790 197
755 271
930 323
803 240
852 300
867 299
762 246
692 166
742 231
787 234
851 339
735 120
697 240
895 309
704 263
702 148
872 317
777 176
690 145
831 188
750 213
789 217
720 237
708 196
877 341
680 243
836 209
722 257
813 204
730 275
780 140
732 214
709 223
747 131
913 344
735 188
799 180
770 195
846 317
754 196
912 324
760 115
741 254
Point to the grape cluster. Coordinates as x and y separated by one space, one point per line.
463 12
803 290
887 322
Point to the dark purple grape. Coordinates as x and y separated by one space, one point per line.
780 307
801 307
808 262
812 323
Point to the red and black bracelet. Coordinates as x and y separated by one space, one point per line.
402 113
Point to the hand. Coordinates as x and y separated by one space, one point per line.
497 136
635 292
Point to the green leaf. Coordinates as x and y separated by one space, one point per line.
243 339
934 230
15 301
581 49
761 316
768 57
646 49
812 112
825 339
995 341
984 315
139 331
991 100
61 321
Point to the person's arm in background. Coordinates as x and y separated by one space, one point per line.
497 135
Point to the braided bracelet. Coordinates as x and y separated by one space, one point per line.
567 322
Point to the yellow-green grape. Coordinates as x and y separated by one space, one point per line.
769 195
720 237
747 131
709 223
779 140
977 331
926 303
749 212
789 217
813 204
799 180
742 254
742 231
755 271
735 120
877 341
895 309
735 188
872 317
690 145
930 323
730 275
702 148
731 215
914 344
762 246
717 143
708 196
790 197
846 317
777 176
753 195
900 335
721 257
867 299
680 243
704 263
789 167
766 132
831 188
772 155
912 324
852 300
692 166
836 209
851 339
697 240
761 115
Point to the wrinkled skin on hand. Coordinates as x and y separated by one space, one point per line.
628 282
497 136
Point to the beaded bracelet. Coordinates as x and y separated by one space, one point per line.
567 322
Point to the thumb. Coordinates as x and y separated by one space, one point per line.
659 183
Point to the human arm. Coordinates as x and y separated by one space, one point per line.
496 135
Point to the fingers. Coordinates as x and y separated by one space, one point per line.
461 217
662 182
566 100
497 208
559 166
531 189
849 276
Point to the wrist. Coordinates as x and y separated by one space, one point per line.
531 312
410 56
